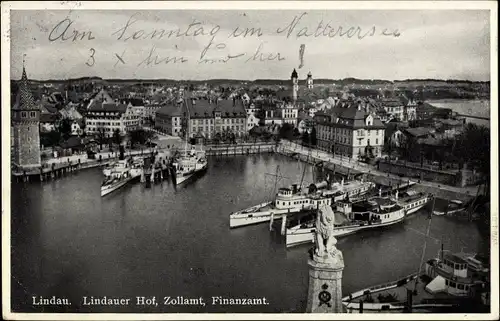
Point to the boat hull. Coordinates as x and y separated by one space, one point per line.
247 217
109 189
306 235
179 179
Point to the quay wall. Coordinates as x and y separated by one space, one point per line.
239 149
452 179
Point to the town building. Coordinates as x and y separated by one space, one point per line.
151 109
137 107
394 108
252 121
25 130
410 112
214 118
107 117
289 114
169 118
350 130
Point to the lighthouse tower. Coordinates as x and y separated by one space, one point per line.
25 127
309 81
295 83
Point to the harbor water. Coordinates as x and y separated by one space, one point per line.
164 240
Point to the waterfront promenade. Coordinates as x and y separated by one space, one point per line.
291 147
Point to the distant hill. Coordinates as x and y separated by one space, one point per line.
325 81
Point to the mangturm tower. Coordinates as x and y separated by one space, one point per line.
309 80
295 83
26 128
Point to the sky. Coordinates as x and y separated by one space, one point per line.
443 44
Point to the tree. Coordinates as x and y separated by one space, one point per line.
140 136
50 139
286 131
117 137
64 128
313 137
473 147
101 137
305 138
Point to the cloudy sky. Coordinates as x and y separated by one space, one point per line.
431 44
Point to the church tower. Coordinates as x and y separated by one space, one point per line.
309 80
25 122
295 83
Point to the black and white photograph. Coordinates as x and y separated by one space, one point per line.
192 159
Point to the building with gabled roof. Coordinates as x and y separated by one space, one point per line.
169 118
213 118
25 120
106 117
351 130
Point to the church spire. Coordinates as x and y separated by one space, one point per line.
25 100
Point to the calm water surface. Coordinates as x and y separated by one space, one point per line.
69 242
467 107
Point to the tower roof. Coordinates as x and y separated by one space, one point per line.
25 100
294 74
309 74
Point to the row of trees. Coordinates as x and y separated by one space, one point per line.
471 147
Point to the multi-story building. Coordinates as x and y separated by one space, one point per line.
25 130
289 114
410 110
394 108
151 109
169 118
210 118
351 131
108 117
137 107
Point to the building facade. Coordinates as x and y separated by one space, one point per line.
214 118
168 119
108 117
350 131
25 128
394 108
289 114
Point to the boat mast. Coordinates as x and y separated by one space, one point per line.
275 182
303 174
425 245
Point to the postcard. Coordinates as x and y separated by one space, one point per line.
249 160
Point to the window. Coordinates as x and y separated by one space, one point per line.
32 114
23 114
453 284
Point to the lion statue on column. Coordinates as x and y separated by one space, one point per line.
325 241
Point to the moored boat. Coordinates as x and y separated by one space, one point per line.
350 218
295 199
453 206
189 164
413 201
446 284
119 178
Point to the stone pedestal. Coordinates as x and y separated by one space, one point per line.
325 283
